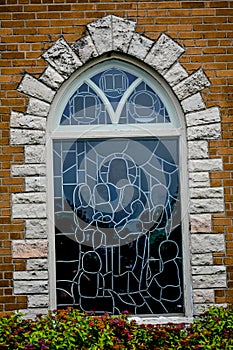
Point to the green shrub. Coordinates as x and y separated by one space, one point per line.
73 330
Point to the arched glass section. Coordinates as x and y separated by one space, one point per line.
117 202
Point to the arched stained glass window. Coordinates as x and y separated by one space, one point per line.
117 194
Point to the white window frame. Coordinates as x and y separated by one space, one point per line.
112 131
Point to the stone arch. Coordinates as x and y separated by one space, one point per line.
115 34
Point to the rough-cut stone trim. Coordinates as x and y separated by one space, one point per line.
203 295
175 74
207 205
35 184
218 281
198 149
33 87
26 137
52 78
202 259
37 264
201 223
27 121
30 275
207 243
28 170
202 132
206 192
30 248
101 34
163 54
108 34
35 154
38 300
205 165
31 287
139 46
192 84
62 58
36 229
24 211
193 103
84 49
38 107
208 116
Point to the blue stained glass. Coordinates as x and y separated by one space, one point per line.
86 106
144 106
126 249
117 201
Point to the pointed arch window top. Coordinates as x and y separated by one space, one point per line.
116 93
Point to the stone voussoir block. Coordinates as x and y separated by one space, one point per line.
62 58
193 103
163 54
84 48
175 74
52 78
207 116
139 46
122 33
38 107
101 34
32 87
192 84
27 121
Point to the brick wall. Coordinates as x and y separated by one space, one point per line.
28 28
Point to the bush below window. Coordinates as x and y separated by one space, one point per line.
71 329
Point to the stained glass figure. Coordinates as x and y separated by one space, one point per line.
117 218
117 207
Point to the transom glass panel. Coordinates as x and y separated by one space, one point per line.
117 203
114 95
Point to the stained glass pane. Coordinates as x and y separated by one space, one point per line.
117 218
144 106
85 107
114 95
